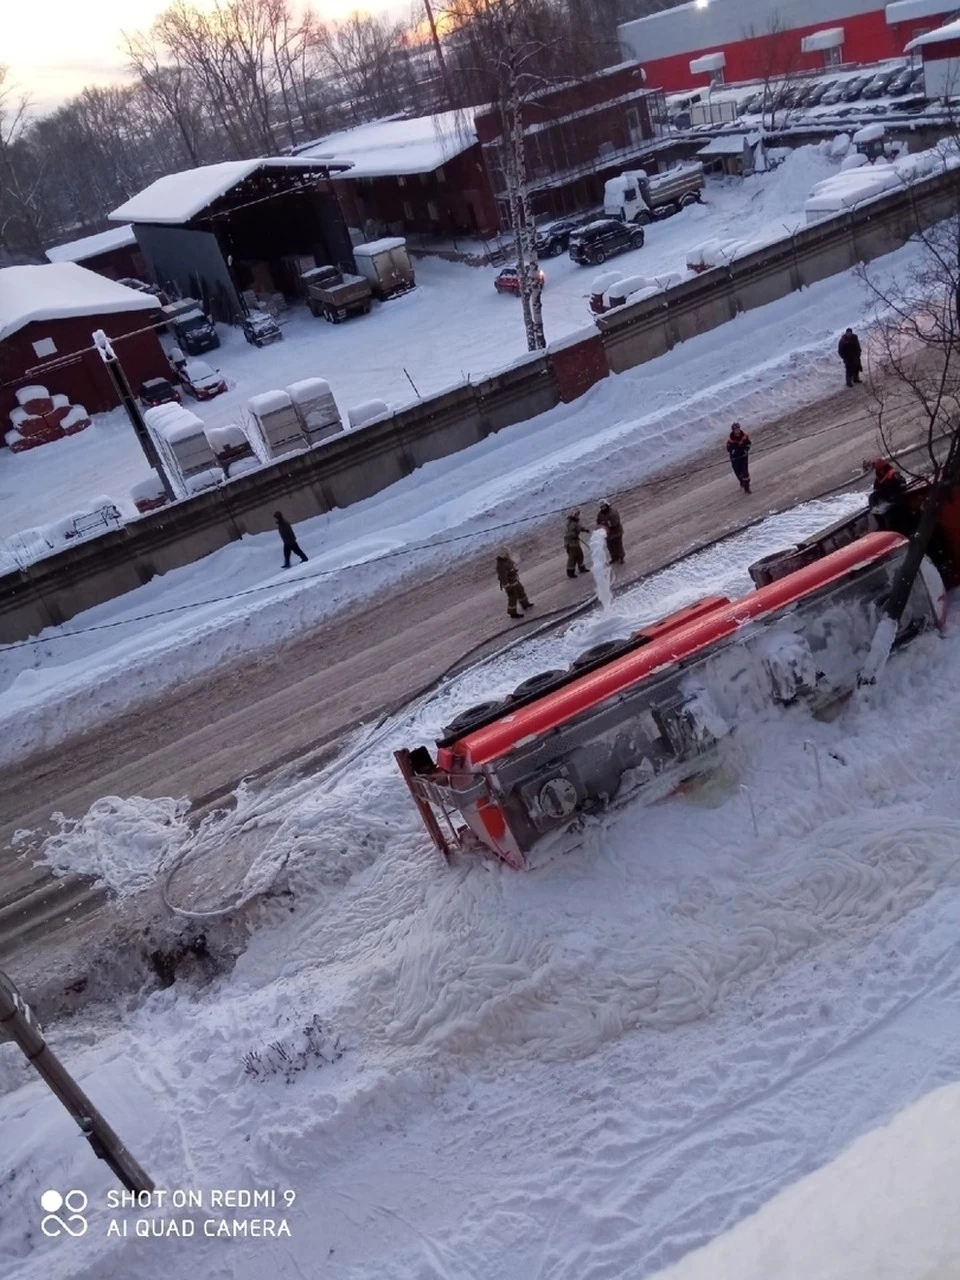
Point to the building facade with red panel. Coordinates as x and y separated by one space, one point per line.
113 253
47 318
727 41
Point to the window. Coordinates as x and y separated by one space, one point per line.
44 347
408 210
716 77
833 57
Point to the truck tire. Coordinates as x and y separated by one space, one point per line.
598 653
536 684
643 218
637 239
692 197
462 723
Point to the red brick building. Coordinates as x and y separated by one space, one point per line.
47 317
421 175
114 254
578 135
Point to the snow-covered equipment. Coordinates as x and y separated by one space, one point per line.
387 266
638 716
360 414
180 437
316 409
336 294
260 329
636 197
232 449
278 421
149 494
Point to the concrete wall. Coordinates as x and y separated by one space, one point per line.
361 463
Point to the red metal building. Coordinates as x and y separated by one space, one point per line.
114 254
47 317
723 41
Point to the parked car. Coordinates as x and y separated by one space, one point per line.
600 240
751 104
260 329
158 391
553 238
880 84
202 381
508 281
833 96
901 81
821 88
853 89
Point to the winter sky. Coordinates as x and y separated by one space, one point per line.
56 50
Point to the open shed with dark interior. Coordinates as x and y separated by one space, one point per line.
212 233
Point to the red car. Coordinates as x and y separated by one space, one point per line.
201 381
508 281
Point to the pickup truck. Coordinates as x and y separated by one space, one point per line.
635 197
335 294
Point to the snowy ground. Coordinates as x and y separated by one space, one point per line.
766 362
453 326
583 1071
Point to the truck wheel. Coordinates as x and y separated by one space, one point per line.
536 684
689 199
643 219
636 240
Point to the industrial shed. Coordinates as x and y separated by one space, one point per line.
216 231
113 253
47 318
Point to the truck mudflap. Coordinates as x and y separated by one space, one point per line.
639 719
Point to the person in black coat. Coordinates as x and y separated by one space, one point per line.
289 539
848 349
738 451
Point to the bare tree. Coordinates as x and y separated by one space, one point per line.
21 206
915 377
779 54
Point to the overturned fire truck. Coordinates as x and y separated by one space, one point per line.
637 717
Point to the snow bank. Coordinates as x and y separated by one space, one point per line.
308 389
228 437
360 414
269 402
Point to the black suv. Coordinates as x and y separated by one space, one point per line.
553 237
600 240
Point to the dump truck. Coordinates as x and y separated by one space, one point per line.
635 197
336 294
386 264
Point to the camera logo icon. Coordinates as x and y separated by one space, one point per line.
63 1214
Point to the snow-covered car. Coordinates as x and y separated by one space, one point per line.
158 391
508 281
600 240
553 238
880 84
259 328
202 381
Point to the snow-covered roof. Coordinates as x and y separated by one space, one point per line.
59 290
950 32
729 144
181 196
92 246
378 246
911 10
385 148
829 38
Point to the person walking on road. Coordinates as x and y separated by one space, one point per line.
608 517
509 579
738 450
848 349
572 535
291 546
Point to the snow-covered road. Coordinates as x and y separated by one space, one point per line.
586 1070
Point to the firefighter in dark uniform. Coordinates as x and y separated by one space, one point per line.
509 580
572 535
608 517
738 450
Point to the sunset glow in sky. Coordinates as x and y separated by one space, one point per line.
56 47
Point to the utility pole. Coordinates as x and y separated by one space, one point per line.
18 1024
129 402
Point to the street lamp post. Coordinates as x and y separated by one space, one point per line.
18 1023
129 402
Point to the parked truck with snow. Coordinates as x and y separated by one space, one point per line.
635 197
194 331
336 294
387 266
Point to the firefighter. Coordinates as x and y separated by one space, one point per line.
289 539
848 349
608 517
738 449
509 580
888 487
572 545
